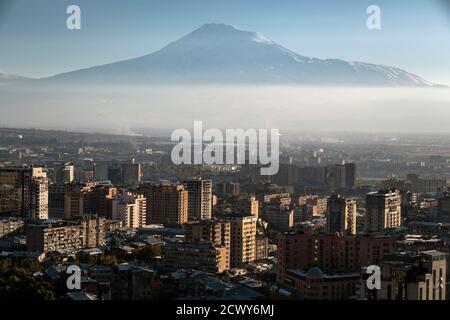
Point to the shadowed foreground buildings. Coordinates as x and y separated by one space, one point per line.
246 204
201 256
85 232
74 200
327 264
444 207
216 232
9 226
410 276
206 247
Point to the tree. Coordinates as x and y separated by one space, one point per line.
21 284
146 254
115 242
3 266
107 260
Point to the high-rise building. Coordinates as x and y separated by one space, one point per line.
335 176
101 170
424 185
332 253
56 196
85 232
311 205
166 203
350 175
64 173
243 238
282 218
228 189
273 203
444 207
131 172
246 204
402 185
200 256
84 172
341 214
115 174
98 201
340 176
314 284
24 192
413 276
321 266
383 210
200 199
130 209
75 200
39 199
216 232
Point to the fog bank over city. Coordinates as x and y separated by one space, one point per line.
160 110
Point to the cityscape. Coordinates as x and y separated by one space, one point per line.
225 158
139 227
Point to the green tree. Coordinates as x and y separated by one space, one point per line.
21 284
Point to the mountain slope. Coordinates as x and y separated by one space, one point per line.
8 79
219 53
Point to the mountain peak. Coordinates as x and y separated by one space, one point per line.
218 30
221 53
217 27
224 35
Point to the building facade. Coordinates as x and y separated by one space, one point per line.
341 214
332 253
200 199
383 210
24 192
243 239
82 233
130 209
166 204
196 256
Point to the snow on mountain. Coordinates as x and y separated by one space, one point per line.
219 53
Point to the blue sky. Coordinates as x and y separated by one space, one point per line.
34 40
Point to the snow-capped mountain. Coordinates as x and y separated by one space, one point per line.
219 53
